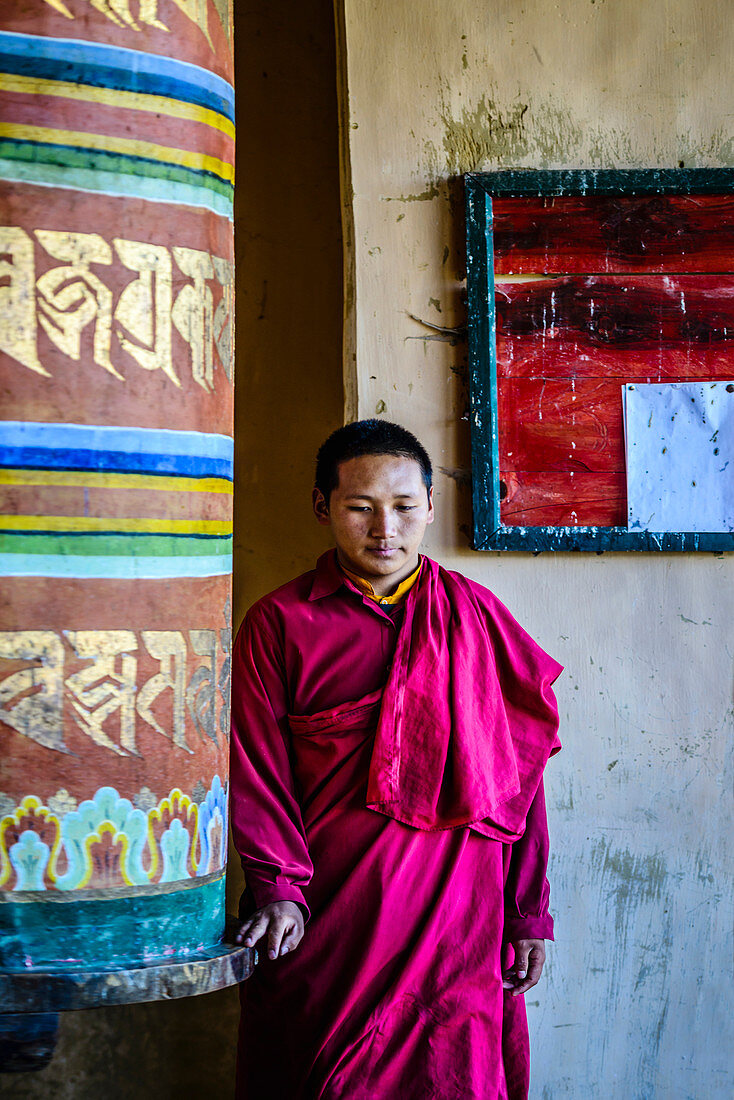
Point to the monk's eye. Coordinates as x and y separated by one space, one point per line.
358 508
406 507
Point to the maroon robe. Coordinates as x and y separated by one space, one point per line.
386 775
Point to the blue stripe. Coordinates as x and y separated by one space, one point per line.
105 66
114 568
104 447
114 437
40 458
114 183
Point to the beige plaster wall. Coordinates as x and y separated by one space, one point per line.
288 398
634 1002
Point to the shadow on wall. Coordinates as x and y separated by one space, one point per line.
289 392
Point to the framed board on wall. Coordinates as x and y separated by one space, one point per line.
601 344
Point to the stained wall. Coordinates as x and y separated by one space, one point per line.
633 1005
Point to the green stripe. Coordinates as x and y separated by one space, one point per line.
107 544
32 152
107 183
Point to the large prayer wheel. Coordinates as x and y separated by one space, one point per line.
116 407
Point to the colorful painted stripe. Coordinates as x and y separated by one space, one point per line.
111 97
116 164
111 543
114 568
114 173
112 457
115 525
105 66
26 444
115 183
18 134
93 479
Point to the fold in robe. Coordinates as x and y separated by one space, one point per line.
447 754
395 991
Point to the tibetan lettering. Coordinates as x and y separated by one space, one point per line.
37 690
18 335
168 647
144 309
137 317
72 296
200 694
193 312
100 690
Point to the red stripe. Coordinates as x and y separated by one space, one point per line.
623 233
643 327
56 112
63 500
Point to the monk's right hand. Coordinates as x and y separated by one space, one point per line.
280 923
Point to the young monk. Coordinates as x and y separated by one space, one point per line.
390 726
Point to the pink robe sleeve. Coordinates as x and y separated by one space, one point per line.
526 885
266 817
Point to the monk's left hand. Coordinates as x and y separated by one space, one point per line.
526 969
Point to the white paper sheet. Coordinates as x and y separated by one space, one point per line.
679 444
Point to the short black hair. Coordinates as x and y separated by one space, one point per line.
367 437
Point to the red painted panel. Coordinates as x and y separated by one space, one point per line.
641 327
614 233
567 343
557 425
564 499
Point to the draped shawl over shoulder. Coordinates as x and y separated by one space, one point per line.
468 717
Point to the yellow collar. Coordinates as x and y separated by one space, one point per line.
367 590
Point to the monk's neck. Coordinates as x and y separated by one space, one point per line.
384 587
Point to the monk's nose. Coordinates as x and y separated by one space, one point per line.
383 525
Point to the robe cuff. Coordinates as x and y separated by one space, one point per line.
528 928
266 892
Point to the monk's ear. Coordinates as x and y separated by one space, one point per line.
320 507
431 513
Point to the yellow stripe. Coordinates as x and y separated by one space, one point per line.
110 97
115 523
129 147
94 479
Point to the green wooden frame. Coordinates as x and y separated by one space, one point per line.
480 188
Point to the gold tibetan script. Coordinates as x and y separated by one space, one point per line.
104 695
72 297
131 15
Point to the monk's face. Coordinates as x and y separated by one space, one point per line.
378 513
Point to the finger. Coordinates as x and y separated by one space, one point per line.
275 936
523 987
258 928
535 969
242 931
291 939
520 966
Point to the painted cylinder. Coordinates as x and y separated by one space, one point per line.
116 405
